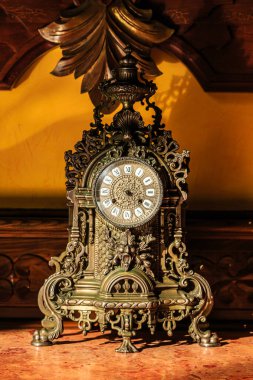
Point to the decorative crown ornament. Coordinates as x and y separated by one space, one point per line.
125 265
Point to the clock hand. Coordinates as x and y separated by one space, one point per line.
128 192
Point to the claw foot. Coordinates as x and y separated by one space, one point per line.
40 338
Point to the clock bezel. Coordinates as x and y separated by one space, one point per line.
148 218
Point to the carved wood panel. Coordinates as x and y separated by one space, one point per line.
20 42
26 246
214 39
220 247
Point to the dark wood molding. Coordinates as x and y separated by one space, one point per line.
220 246
20 41
33 223
214 39
15 72
209 79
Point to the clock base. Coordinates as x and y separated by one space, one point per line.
126 302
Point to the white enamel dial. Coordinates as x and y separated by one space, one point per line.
128 192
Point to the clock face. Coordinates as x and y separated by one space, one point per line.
128 192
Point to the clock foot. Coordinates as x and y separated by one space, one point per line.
211 341
127 346
40 338
125 329
203 336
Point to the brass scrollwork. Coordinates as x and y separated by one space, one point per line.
120 275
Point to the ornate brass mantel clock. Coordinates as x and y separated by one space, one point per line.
125 263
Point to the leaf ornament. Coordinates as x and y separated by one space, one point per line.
93 36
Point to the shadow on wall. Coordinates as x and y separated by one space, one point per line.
216 128
33 169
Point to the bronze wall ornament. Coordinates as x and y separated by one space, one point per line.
125 265
93 36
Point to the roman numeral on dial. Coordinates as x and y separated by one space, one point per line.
147 181
138 212
104 191
116 172
139 172
128 169
147 203
107 203
107 180
115 211
127 214
150 192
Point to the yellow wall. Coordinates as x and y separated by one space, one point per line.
45 115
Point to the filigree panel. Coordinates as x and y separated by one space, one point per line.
221 249
116 248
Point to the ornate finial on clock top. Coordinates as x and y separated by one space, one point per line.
125 86
127 70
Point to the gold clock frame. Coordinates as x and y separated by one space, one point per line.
124 278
